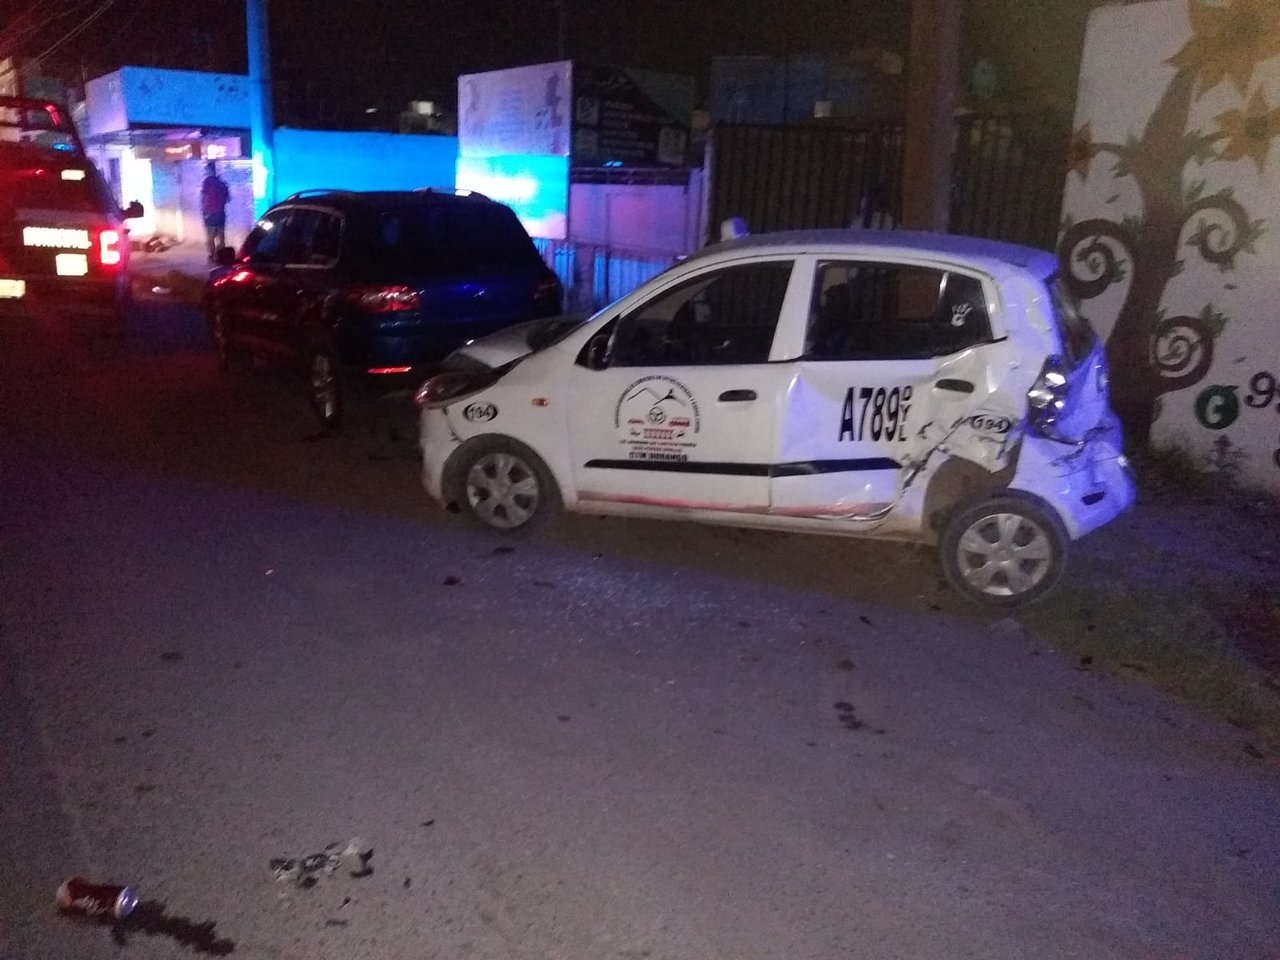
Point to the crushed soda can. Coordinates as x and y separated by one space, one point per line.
78 895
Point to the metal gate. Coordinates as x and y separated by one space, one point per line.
792 178
1007 182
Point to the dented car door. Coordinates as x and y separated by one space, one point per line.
895 365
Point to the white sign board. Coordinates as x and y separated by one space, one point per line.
524 111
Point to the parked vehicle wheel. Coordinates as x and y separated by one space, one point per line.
324 382
1004 551
503 485
223 351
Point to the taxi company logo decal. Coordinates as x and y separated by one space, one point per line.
657 419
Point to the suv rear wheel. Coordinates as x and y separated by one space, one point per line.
1004 551
324 381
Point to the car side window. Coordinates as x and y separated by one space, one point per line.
727 316
263 242
417 238
877 311
310 238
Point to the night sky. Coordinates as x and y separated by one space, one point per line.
332 58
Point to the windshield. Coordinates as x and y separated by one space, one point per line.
550 332
1078 337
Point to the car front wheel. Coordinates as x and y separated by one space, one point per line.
1004 551
503 485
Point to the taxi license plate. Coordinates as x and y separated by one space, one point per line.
12 289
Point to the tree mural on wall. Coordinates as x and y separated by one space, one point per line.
1150 353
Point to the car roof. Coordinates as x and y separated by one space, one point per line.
960 250
379 199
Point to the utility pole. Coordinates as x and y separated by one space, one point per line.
261 122
562 28
932 70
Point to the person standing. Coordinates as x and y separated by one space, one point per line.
213 207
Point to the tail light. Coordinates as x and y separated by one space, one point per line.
547 292
444 387
1047 398
394 299
109 253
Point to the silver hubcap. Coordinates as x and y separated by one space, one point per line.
1004 554
502 490
324 385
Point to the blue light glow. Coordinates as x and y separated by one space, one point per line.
535 187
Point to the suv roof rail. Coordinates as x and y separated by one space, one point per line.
455 191
316 192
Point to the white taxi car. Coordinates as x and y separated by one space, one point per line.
888 384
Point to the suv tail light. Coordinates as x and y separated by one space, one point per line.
1047 398
109 253
393 299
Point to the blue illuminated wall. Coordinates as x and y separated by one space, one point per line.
535 187
315 159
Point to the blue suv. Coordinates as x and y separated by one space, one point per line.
361 287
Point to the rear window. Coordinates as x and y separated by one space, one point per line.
27 183
452 238
1078 337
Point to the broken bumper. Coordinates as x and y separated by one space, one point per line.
1089 483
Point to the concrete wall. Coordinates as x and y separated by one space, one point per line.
1172 226
654 219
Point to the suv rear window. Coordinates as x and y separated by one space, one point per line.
23 187
446 238
1078 337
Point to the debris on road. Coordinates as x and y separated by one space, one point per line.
78 895
451 581
302 871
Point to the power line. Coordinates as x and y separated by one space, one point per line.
76 31
20 32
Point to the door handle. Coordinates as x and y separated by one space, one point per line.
731 395
956 386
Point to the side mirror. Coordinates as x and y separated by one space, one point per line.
133 211
598 351
226 257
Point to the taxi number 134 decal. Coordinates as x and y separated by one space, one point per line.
878 413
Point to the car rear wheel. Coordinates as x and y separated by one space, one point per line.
324 383
503 485
1004 551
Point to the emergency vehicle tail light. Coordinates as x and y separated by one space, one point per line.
109 248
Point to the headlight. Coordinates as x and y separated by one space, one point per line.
445 387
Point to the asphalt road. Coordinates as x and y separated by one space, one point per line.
225 641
